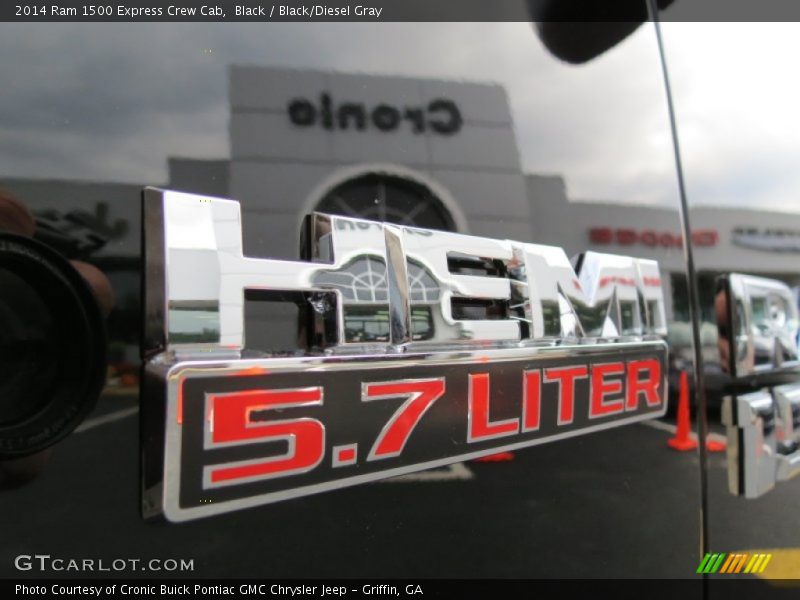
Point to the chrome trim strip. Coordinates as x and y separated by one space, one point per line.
397 277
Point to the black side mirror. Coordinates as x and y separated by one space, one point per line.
577 31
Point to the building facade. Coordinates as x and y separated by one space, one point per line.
432 153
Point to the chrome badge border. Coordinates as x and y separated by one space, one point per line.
164 498
166 362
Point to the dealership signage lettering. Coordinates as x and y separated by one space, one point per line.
769 239
440 115
650 237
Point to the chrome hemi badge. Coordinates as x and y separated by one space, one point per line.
758 325
420 348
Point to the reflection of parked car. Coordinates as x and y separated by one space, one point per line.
679 339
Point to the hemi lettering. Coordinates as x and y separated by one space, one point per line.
552 286
540 293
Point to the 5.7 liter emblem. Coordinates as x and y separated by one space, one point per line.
419 348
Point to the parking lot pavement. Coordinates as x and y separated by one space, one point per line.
604 493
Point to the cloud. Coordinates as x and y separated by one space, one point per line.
736 100
112 102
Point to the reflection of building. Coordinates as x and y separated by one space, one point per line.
725 240
438 154
423 152
432 153
364 290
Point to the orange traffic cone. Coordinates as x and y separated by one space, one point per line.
683 441
499 457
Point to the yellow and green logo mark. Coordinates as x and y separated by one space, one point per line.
734 563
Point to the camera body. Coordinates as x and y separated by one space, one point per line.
52 345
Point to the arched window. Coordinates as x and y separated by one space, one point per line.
390 198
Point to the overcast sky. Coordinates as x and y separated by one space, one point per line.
112 102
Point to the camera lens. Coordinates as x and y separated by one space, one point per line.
26 360
52 347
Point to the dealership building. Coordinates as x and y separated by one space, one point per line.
431 153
